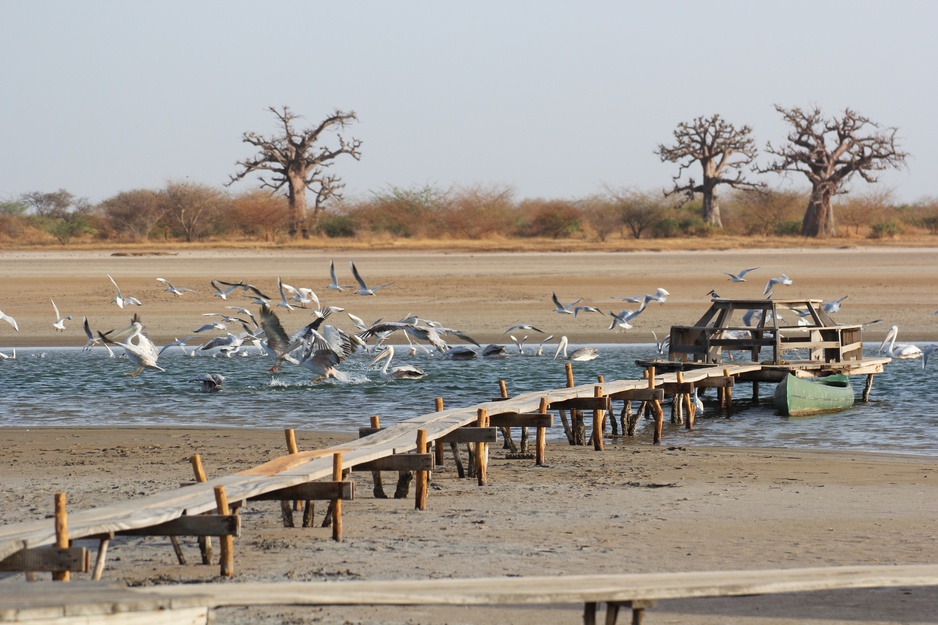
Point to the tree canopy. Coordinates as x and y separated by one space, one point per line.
722 150
294 158
829 152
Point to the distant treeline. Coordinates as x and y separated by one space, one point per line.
190 212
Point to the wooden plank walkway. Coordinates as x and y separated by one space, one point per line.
110 603
303 467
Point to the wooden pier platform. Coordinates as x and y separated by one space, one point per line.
85 603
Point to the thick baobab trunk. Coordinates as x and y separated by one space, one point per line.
297 203
711 210
819 217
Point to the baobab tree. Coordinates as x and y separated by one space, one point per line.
712 142
298 162
829 152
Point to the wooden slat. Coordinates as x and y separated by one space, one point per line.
398 462
560 589
201 525
470 434
319 491
522 420
48 559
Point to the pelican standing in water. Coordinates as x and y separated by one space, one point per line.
580 355
143 353
402 372
902 350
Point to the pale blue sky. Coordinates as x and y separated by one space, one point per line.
555 99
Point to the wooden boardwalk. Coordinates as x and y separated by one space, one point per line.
309 466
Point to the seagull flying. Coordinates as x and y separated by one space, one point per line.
560 308
739 277
120 300
9 320
176 291
59 323
364 290
782 279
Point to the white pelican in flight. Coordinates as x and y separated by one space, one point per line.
402 372
92 339
364 290
902 350
278 344
782 279
519 343
8 356
59 323
580 355
176 291
326 350
739 277
430 334
142 353
9 320
560 308
120 300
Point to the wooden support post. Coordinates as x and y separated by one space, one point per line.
61 533
226 543
867 388
540 447
677 403
205 542
656 408
729 393
337 503
423 477
691 411
598 418
438 446
99 561
378 485
755 393
482 448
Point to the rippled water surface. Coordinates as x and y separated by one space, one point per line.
69 387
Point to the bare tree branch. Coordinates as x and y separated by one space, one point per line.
295 160
721 149
829 152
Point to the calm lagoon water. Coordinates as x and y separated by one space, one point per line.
69 387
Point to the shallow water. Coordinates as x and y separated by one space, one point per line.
70 387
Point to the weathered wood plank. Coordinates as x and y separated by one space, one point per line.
559 589
201 525
318 491
522 420
471 434
48 559
398 462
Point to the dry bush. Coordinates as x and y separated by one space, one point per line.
479 212
854 212
133 214
764 212
554 219
258 213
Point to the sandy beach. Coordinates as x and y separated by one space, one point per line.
632 508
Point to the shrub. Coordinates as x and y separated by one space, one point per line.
885 229
337 226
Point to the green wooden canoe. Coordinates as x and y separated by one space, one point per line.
796 396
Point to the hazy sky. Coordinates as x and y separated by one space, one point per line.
554 99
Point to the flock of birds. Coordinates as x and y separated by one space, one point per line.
321 347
